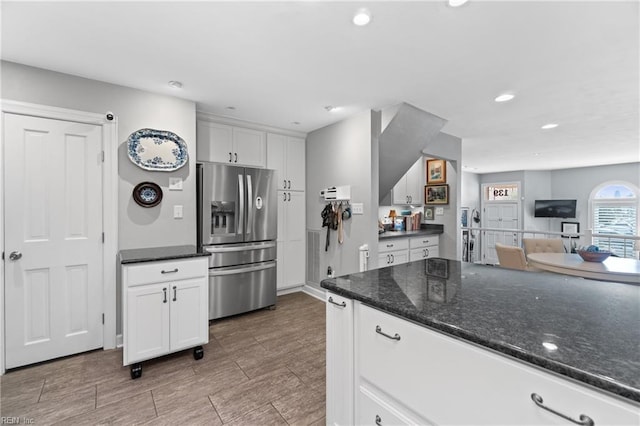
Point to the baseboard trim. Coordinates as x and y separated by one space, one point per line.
315 292
288 290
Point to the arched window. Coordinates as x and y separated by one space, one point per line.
614 211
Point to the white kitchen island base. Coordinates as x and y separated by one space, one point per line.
165 309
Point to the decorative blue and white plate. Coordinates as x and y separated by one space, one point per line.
160 150
147 194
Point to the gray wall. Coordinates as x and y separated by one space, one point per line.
135 109
345 153
470 191
538 187
449 148
579 182
575 183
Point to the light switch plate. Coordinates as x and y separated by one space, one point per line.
439 211
175 184
357 208
177 212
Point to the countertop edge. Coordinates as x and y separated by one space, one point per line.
392 235
602 383
185 256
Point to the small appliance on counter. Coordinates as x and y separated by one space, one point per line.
237 224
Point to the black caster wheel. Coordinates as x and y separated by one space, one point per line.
198 353
136 371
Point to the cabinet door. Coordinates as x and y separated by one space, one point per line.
433 251
399 192
189 313
418 254
249 147
146 325
293 261
340 372
295 164
399 257
384 259
214 142
415 183
276 155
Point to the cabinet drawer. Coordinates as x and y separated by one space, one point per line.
392 245
374 409
431 372
426 241
170 270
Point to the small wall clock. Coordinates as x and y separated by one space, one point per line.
147 194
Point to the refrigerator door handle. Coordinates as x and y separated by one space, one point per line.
235 248
224 271
249 204
240 215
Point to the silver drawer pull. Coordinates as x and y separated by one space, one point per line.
342 305
378 420
379 331
584 419
169 272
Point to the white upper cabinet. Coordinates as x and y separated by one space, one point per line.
286 155
221 143
410 188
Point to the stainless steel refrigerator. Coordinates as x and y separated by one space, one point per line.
237 224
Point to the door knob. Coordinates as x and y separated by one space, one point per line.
15 255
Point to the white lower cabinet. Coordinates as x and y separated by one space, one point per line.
446 381
165 309
405 373
339 360
424 247
393 252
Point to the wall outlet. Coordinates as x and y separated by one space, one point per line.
357 208
177 212
175 184
439 211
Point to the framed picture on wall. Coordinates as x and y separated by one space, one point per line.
571 228
436 194
436 172
429 213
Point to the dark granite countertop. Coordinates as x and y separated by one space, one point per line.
387 235
159 253
594 324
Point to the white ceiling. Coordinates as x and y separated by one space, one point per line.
574 63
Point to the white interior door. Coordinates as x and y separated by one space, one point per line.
53 238
499 215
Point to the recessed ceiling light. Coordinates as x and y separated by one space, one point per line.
456 3
549 126
295 122
331 108
231 108
505 97
362 17
174 84
550 346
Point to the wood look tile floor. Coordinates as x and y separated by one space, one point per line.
261 368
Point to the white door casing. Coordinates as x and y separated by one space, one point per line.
107 202
53 222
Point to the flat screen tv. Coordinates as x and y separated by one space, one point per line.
555 208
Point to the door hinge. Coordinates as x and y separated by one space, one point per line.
103 238
2 255
103 318
102 155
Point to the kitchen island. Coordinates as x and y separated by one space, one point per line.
413 341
